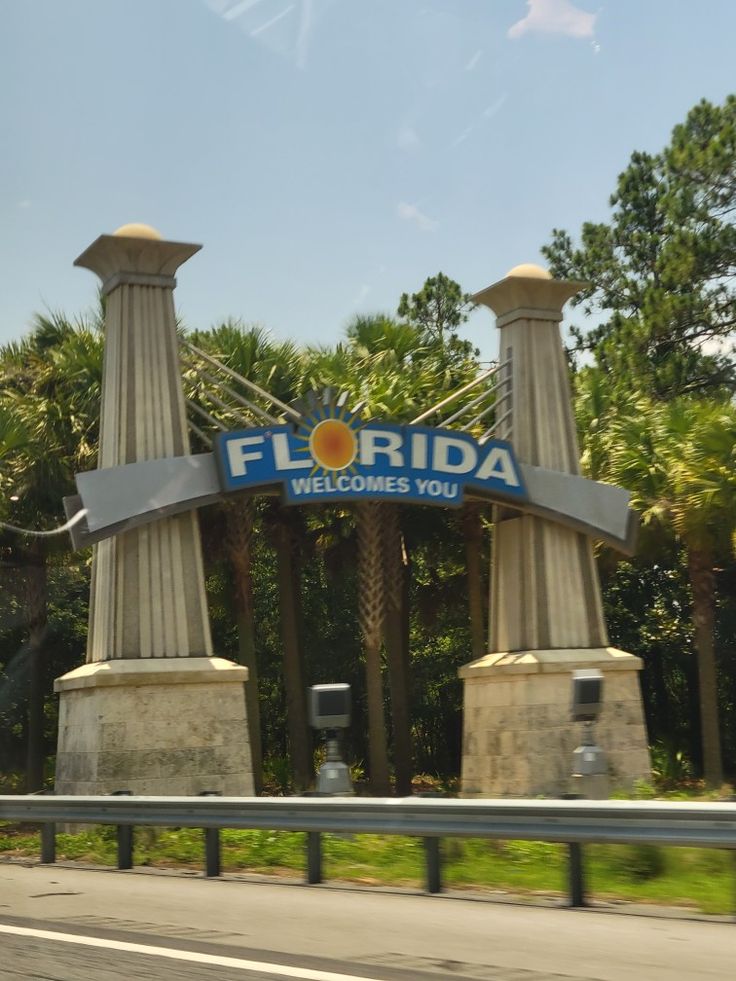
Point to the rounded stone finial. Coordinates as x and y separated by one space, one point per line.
529 270
137 230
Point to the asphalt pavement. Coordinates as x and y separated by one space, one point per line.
69 924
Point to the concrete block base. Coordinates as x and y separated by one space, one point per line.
518 740
154 726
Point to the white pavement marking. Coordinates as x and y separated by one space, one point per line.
192 957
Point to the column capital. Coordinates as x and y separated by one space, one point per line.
135 254
529 292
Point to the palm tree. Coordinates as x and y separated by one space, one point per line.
678 460
251 353
51 387
386 366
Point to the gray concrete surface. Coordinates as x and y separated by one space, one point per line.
376 934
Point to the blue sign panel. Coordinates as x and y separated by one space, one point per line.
338 457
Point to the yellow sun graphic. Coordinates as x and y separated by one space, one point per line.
329 433
332 444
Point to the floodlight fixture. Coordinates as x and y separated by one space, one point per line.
329 709
587 695
329 706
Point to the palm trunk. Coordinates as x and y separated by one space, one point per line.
702 582
240 519
371 614
296 699
397 646
37 606
473 535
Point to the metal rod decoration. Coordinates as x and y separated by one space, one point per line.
203 436
192 366
286 409
497 422
205 415
457 394
467 407
476 419
229 410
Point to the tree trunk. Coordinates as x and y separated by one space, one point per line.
296 697
37 607
473 535
371 614
240 519
702 582
396 570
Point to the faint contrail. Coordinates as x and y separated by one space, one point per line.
269 23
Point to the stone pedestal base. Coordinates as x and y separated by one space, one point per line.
518 739
154 726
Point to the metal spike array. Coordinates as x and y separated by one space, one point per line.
491 399
216 397
216 401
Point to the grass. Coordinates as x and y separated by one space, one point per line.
691 877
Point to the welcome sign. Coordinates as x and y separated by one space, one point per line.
329 453
333 455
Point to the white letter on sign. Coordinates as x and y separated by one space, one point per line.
237 457
498 464
282 458
441 455
374 443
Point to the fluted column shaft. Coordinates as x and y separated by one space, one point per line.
545 592
147 597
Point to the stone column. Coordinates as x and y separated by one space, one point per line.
152 710
546 615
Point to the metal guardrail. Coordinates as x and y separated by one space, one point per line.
571 822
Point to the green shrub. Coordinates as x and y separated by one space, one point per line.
637 862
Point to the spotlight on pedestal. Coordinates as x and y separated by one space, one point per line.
329 711
590 767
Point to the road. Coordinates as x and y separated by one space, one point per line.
69 924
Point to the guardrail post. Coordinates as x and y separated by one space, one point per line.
125 838
314 857
575 871
433 864
48 833
212 863
48 843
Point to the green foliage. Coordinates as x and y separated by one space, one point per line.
638 862
661 270
438 310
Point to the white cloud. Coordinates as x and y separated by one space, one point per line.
407 138
361 295
410 212
25 203
474 60
554 17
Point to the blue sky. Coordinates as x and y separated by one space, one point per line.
328 154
